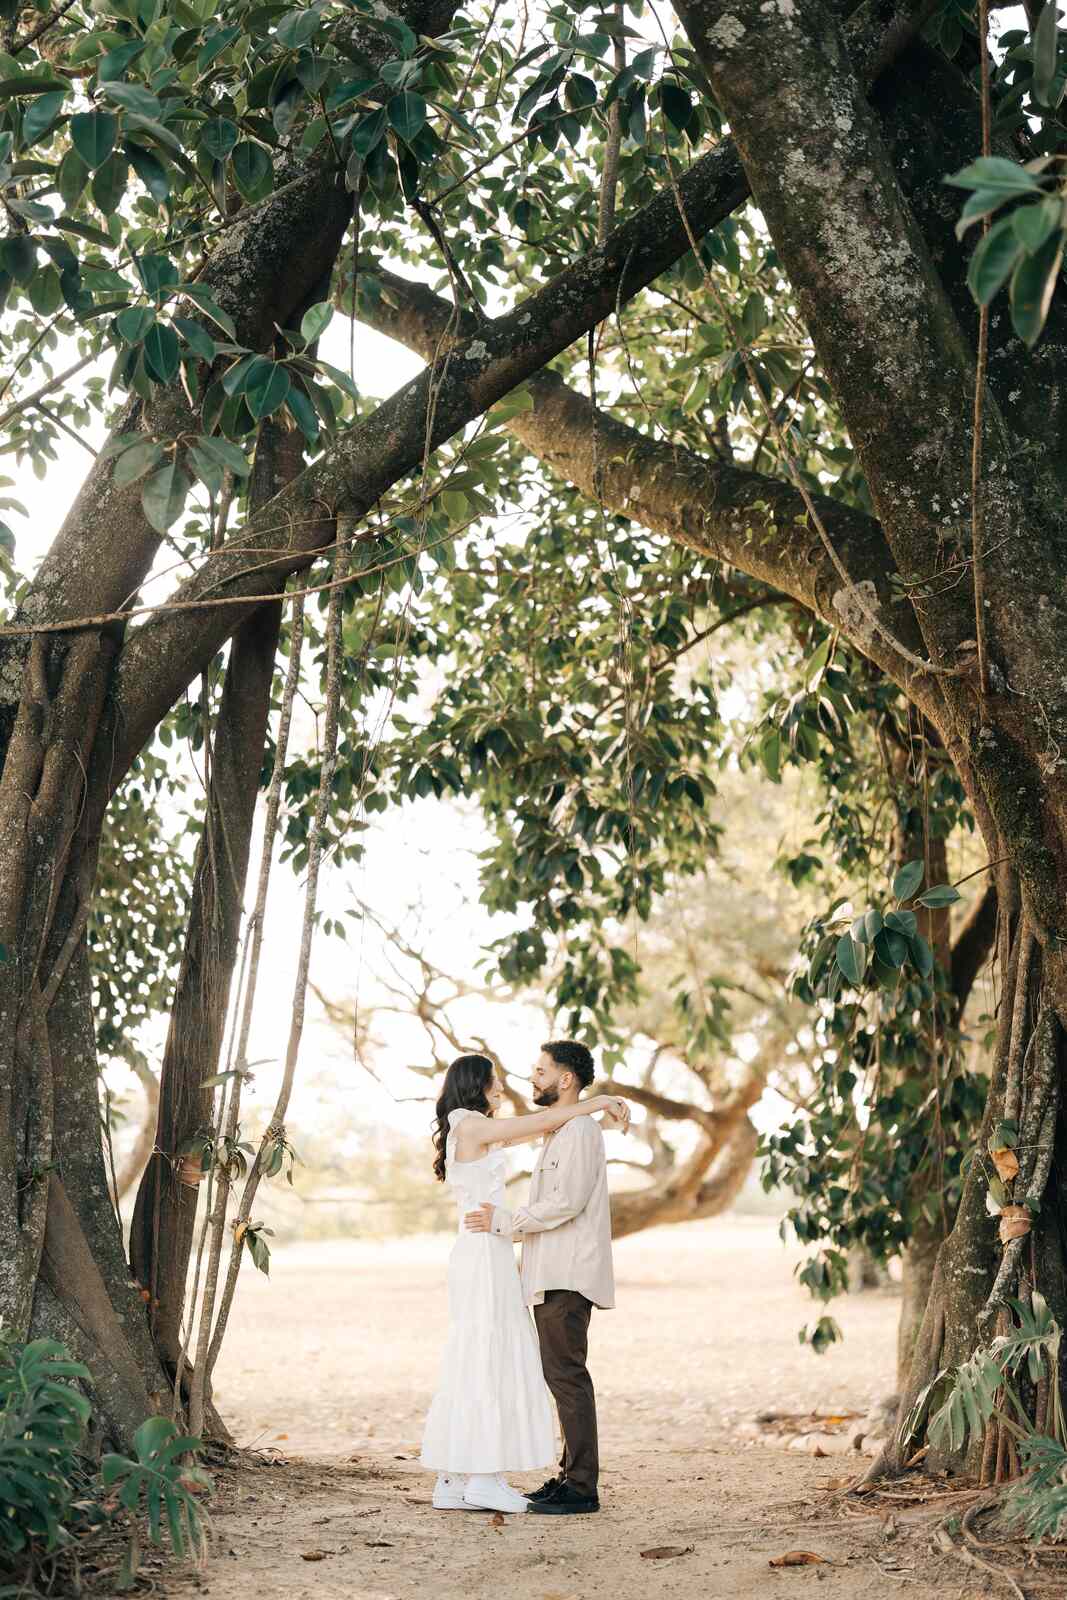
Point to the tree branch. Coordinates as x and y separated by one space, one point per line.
163 655
754 522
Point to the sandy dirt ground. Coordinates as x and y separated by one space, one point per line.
328 1370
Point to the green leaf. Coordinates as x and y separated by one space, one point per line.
150 169
133 323
315 321
163 497
218 138
85 230
161 354
907 880
266 388
996 173
41 115
211 476
1032 287
902 922
19 256
368 132
890 948
31 84
676 104
283 112
201 295
1033 224
235 377
979 205
251 169
1046 41
303 413
339 376
215 45
92 134
941 894
134 98
512 405
636 122
113 63
297 27
151 1436
993 260
72 178
46 292
109 183
154 130
196 337
135 462
407 115
157 273
921 955
850 958
225 453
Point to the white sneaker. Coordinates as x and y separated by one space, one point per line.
493 1493
448 1492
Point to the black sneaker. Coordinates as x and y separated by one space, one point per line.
546 1491
566 1501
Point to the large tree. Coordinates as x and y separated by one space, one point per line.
188 191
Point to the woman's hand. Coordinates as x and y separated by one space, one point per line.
616 1111
480 1221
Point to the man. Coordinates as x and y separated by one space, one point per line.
566 1267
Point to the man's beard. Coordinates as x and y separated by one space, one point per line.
545 1097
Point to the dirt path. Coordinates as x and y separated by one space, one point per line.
331 1364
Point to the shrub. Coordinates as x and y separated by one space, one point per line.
52 1493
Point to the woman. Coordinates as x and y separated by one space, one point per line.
492 1412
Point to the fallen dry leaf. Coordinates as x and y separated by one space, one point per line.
378 1544
798 1558
315 1555
1006 1162
662 1552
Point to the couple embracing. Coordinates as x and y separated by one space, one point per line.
492 1412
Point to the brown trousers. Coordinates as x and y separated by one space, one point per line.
563 1330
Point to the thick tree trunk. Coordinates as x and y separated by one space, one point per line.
969 1280
895 339
161 1232
918 1262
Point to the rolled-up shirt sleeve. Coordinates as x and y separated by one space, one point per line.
575 1177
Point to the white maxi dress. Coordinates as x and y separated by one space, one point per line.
492 1411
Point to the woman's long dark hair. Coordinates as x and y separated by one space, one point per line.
465 1084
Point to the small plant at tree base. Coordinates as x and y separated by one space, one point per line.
50 1490
1037 1506
161 1483
985 1389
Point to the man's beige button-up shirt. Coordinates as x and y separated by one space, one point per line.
566 1228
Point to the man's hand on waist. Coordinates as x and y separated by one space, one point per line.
480 1221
